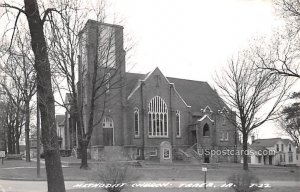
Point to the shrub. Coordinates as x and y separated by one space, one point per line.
244 181
114 173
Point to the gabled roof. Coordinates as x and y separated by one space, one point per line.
204 117
132 81
268 142
196 94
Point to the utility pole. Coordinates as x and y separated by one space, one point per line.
38 164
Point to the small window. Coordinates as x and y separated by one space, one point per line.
206 130
283 157
167 154
138 152
224 136
290 148
224 119
136 122
178 134
277 147
297 157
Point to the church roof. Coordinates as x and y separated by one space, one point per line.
196 94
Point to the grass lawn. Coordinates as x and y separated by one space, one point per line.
23 169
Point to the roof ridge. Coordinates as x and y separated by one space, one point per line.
188 79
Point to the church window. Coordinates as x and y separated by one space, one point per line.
206 130
158 117
136 122
178 123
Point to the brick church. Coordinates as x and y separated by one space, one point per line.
137 113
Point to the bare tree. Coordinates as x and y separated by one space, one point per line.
13 118
284 46
36 22
66 42
18 68
254 94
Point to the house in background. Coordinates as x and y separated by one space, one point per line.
60 130
273 151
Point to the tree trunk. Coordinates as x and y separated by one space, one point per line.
245 148
54 172
27 130
83 147
17 146
9 141
13 141
17 137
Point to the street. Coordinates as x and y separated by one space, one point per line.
29 186
41 186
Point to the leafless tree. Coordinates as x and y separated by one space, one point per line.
254 94
12 120
31 11
18 68
285 45
66 41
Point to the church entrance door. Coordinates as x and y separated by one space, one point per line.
108 136
108 131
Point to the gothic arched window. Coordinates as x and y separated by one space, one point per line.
158 117
136 122
206 130
178 123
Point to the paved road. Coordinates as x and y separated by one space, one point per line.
41 186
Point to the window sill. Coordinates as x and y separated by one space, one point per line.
157 137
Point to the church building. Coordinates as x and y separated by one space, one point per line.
138 114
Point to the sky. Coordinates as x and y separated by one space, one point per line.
192 39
